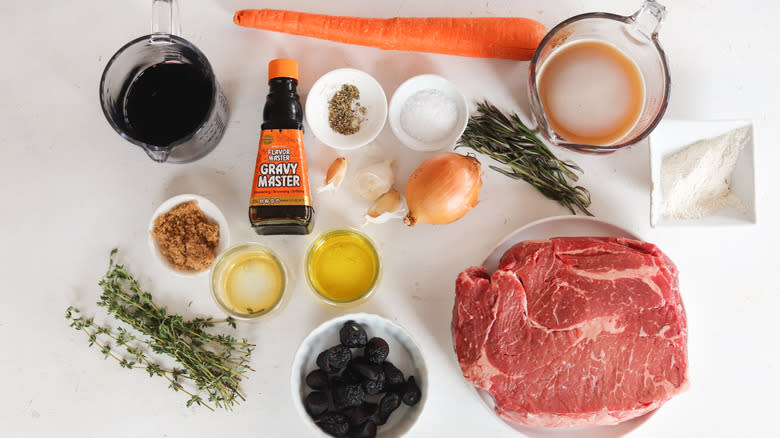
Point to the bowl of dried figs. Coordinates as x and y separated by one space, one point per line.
359 375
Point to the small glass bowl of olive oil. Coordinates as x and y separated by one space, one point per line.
343 267
248 281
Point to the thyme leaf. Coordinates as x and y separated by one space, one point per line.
211 365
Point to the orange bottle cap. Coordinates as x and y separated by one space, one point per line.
282 68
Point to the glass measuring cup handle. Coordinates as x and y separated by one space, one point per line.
165 22
165 17
648 19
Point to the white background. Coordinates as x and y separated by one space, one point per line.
71 189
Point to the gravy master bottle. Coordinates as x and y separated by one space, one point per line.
281 198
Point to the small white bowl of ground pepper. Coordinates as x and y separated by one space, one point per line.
186 234
346 108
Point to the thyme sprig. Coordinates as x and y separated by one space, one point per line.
212 366
507 140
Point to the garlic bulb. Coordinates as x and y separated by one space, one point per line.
388 206
335 174
374 180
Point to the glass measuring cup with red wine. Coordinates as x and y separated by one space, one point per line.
159 92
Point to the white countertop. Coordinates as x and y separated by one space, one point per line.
71 189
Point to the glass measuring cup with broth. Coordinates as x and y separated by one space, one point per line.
599 82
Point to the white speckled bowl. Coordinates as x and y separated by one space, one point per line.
211 211
421 83
404 354
372 97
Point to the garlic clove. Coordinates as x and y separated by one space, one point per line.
382 218
335 174
373 181
387 203
388 206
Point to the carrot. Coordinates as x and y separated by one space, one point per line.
486 37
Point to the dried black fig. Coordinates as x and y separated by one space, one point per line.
346 395
365 430
411 393
360 414
334 359
316 403
317 379
353 335
393 376
389 403
333 423
377 350
374 386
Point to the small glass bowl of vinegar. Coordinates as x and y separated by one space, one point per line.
248 281
343 267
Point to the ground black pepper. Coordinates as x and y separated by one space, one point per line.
345 114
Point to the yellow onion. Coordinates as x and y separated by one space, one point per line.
443 189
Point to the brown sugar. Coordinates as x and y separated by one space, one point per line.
186 237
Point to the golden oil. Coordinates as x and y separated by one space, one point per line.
248 281
342 266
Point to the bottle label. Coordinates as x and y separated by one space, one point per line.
281 176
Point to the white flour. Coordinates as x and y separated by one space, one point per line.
696 181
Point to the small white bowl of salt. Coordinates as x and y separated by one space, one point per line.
428 113
703 173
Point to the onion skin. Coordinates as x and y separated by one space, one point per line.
443 189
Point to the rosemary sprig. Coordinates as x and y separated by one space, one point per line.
507 140
212 365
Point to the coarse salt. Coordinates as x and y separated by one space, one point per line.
695 181
429 116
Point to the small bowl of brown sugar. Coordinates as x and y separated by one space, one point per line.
186 233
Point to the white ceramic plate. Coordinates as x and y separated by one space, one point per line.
559 226
404 354
556 226
671 136
211 211
422 83
372 97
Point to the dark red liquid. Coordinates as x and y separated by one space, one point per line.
167 102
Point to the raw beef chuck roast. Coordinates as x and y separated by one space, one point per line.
573 331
